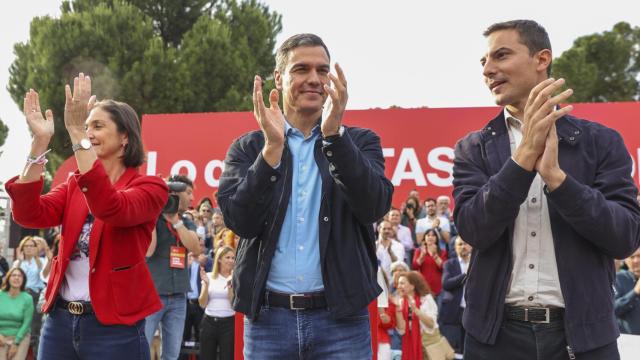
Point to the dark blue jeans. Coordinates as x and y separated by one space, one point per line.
67 337
307 334
518 340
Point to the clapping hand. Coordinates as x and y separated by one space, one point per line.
271 121
338 97
78 104
41 127
203 276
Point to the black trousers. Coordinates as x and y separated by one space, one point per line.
192 321
519 340
217 333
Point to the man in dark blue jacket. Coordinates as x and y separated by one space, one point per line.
547 202
627 304
303 194
454 274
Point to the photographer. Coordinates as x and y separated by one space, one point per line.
174 236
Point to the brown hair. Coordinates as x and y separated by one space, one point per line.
128 123
6 286
417 280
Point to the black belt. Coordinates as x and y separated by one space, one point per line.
534 314
296 301
75 307
216 318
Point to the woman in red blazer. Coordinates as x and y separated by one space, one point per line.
428 260
99 289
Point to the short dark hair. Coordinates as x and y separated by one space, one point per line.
282 54
6 286
127 122
181 178
532 35
430 199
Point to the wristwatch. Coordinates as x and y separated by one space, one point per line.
84 144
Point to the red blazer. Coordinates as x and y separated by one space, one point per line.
120 285
430 270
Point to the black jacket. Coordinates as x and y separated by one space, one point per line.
594 218
355 193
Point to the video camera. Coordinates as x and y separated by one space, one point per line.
173 202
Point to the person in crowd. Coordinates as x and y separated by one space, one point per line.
452 298
4 267
299 193
386 316
403 233
32 264
416 314
409 217
16 311
172 239
428 260
194 311
433 221
223 235
388 249
203 222
422 211
627 303
547 201
217 330
443 203
99 288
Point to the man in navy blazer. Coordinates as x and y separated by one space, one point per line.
453 279
547 201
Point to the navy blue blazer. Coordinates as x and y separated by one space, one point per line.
452 285
594 218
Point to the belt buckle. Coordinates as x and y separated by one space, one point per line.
291 297
546 315
75 307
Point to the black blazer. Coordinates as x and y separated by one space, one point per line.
452 284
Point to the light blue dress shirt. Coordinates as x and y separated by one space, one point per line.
295 267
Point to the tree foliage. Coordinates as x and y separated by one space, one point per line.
4 131
603 67
160 56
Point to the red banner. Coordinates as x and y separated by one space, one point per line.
418 144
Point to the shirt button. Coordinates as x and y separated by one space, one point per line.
273 178
332 167
534 200
531 266
300 278
530 298
329 153
300 219
577 132
326 218
300 247
93 270
533 233
84 189
571 138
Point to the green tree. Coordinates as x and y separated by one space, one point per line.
4 131
158 56
603 67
